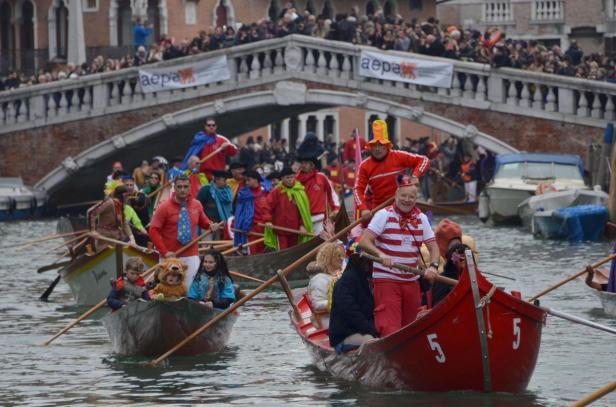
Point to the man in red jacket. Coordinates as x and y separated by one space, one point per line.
206 142
321 194
348 154
251 210
175 224
376 179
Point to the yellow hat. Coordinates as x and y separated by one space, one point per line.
379 133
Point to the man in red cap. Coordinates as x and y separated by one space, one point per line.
376 180
395 234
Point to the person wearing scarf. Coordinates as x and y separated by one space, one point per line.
291 209
251 209
197 179
206 142
216 199
395 234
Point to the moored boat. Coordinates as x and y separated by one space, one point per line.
444 350
607 298
18 201
89 276
517 177
576 223
150 328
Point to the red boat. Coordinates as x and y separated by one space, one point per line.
456 346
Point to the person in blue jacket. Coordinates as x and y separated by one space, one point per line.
213 284
351 322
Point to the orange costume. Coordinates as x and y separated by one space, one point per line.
376 180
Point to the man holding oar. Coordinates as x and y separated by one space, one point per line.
376 180
395 234
206 142
174 225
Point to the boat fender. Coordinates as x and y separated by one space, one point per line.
483 209
33 205
12 205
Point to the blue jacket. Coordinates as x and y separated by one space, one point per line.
352 306
222 296
141 35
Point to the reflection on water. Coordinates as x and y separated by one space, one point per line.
265 361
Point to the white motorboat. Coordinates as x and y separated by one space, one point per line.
18 201
516 178
558 199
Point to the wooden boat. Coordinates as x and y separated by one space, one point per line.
265 265
89 276
445 349
608 299
150 328
449 208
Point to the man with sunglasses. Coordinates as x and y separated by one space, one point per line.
206 142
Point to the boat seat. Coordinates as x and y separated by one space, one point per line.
315 319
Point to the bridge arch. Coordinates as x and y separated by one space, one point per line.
285 99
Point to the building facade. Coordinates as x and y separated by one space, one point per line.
591 23
33 32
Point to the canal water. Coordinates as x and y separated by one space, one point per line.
265 362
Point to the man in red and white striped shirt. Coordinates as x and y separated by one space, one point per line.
396 234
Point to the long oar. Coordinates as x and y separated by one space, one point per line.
23 245
595 395
54 283
304 259
449 209
121 243
244 276
104 301
242 246
249 233
573 277
453 282
294 231
67 243
52 266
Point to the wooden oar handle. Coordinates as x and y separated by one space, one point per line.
283 229
573 277
247 233
439 278
254 242
121 243
213 153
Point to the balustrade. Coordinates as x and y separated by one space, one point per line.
333 63
547 10
497 11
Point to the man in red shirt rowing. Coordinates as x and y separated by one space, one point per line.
395 234
376 179
175 224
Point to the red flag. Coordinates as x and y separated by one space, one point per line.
357 162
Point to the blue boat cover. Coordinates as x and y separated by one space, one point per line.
583 222
567 159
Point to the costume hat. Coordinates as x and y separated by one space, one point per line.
446 231
379 134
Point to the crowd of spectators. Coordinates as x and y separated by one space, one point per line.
388 33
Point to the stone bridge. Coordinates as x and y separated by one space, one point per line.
63 136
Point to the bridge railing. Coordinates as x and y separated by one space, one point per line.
305 58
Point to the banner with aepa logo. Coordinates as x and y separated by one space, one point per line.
184 76
385 66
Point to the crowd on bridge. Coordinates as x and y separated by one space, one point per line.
429 37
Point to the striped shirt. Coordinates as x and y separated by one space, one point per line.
401 245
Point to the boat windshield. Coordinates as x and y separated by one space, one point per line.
539 171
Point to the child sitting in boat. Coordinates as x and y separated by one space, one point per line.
171 277
454 267
130 286
330 259
213 284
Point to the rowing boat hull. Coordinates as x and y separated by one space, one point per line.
264 266
150 328
442 351
89 276
608 300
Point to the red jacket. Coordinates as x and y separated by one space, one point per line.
164 226
284 211
319 191
378 178
348 154
262 209
348 174
218 161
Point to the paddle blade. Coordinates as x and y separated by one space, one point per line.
45 295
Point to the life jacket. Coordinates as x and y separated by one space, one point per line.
466 169
130 291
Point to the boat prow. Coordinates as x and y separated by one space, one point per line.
442 351
150 328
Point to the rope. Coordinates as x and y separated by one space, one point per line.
485 302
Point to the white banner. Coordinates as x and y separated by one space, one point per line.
392 67
184 76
